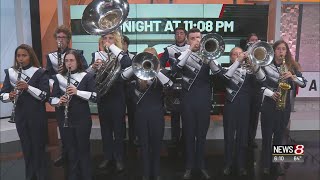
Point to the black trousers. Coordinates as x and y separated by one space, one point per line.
112 116
32 136
150 129
273 124
77 140
254 117
175 125
236 117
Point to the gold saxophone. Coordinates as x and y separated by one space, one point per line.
283 87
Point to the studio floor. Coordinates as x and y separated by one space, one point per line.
172 161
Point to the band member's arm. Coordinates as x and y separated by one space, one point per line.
124 59
127 73
299 80
90 69
90 94
259 73
6 89
83 59
215 67
181 60
232 69
49 67
55 94
164 58
165 81
42 92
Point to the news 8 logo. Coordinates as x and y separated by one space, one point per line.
288 153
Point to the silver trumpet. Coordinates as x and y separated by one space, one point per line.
211 47
145 65
66 108
18 92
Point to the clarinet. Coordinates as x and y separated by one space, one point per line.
13 112
66 108
59 54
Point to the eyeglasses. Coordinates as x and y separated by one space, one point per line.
61 37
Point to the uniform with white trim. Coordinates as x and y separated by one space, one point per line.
77 135
30 117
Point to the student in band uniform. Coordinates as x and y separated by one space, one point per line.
62 35
274 121
77 135
111 106
149 118
169 56
196 103
30 111
239 82
255 100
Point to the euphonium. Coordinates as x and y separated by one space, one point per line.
211 47
283 87
13 112
66 108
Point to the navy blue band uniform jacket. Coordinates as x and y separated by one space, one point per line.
271 84
31 102
79 111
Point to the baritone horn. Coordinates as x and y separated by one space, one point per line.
260 53
211 46
145 65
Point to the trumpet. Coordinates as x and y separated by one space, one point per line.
283 87
66 108
18 92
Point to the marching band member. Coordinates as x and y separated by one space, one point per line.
63 36
111 106
31 91
236 115
129 91
196 103
275 120
149 118
55 65
76 94
168 56
255 100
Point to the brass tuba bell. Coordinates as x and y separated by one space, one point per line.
101 17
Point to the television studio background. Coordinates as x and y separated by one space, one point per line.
151 23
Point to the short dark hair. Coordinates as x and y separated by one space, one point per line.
126 39
250 35
193 30
180 28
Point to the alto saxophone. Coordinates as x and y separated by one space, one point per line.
13 112
283 87
66 108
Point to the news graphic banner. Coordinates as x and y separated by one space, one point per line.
152 25
288 153
312 86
